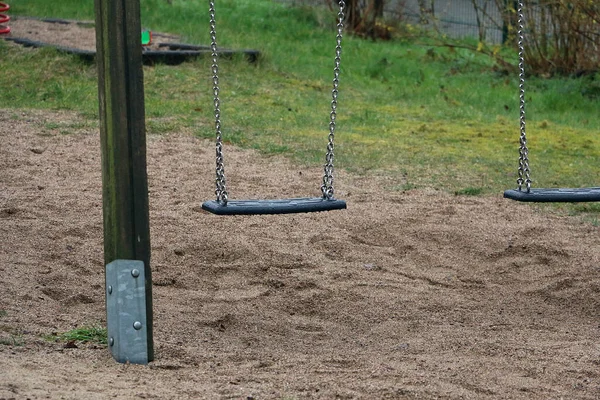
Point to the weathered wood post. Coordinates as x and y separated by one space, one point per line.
124 180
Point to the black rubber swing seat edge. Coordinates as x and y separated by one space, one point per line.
276 206
555 195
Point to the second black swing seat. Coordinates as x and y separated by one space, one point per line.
555 195
275 206
538 195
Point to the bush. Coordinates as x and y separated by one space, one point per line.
363 18
561 36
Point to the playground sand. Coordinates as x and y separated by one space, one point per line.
79 35
405 295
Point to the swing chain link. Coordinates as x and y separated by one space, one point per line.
221 189
524 173
327 186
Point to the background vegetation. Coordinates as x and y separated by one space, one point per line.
562 36
423 114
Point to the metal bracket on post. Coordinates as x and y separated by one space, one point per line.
126 311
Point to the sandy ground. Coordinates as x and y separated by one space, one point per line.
414 295
405 295
79 35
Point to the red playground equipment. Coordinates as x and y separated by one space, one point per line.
4 29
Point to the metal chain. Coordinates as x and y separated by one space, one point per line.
327 186
221 189
524 173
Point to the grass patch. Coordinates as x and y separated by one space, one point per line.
589 212
12 340
9 336
69 127
86 334
470 191
405 187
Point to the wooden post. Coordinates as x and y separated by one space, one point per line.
123 141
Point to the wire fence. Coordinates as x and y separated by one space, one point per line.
456 18
484 20
480 19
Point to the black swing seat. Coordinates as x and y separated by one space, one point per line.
555 195
278 206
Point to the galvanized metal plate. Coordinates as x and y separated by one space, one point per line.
126 311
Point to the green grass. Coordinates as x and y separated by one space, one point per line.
86 334
589 211
425 115
9 336
12 340
470 191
